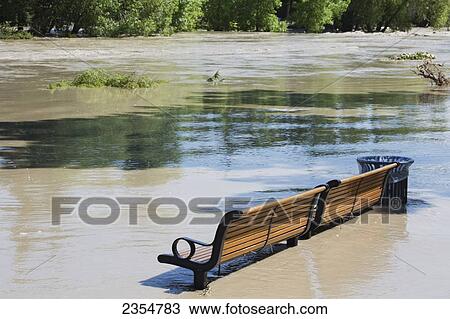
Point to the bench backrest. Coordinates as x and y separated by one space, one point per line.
355 194
269 223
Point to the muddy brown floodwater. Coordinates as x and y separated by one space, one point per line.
294 111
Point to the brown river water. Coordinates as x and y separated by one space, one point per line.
294 111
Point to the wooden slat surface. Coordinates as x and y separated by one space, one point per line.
202 254
355 194
268 223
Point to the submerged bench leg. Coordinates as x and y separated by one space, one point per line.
292 242
306 235
200 280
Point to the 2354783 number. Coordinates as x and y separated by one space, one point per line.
153 308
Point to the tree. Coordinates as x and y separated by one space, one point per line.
135 17
434 13
147 17
378 15
257 15
313 15
15 12
44 15
83 13
245 15
219 14
285 9
188 15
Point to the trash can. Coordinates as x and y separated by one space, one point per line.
395 193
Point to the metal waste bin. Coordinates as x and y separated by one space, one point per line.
396 190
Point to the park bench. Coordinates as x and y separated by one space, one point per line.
243 232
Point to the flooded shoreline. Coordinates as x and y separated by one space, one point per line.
294 111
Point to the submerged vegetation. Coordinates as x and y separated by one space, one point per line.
97 78
114 18
434 72
421 55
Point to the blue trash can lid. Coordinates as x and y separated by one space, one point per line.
385 160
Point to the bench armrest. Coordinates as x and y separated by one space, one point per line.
192 245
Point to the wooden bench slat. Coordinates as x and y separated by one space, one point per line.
371 198
244 244
309 194
276 238
245 238
243 231
374 172
240 252
265 214
345 197
290 214
355 185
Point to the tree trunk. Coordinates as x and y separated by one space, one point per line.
288 8
76 28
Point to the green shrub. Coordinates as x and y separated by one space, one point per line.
97 78
9 33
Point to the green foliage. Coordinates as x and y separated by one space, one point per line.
275 25
421 55
97 78
189 15
136 17
313 15
114 18
9 33
220 14
379 15
257 15
82 14
435 13
15 12
244 15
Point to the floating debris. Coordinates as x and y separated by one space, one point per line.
432 71
216 78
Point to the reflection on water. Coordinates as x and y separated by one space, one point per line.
125 142
270 130
159 139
